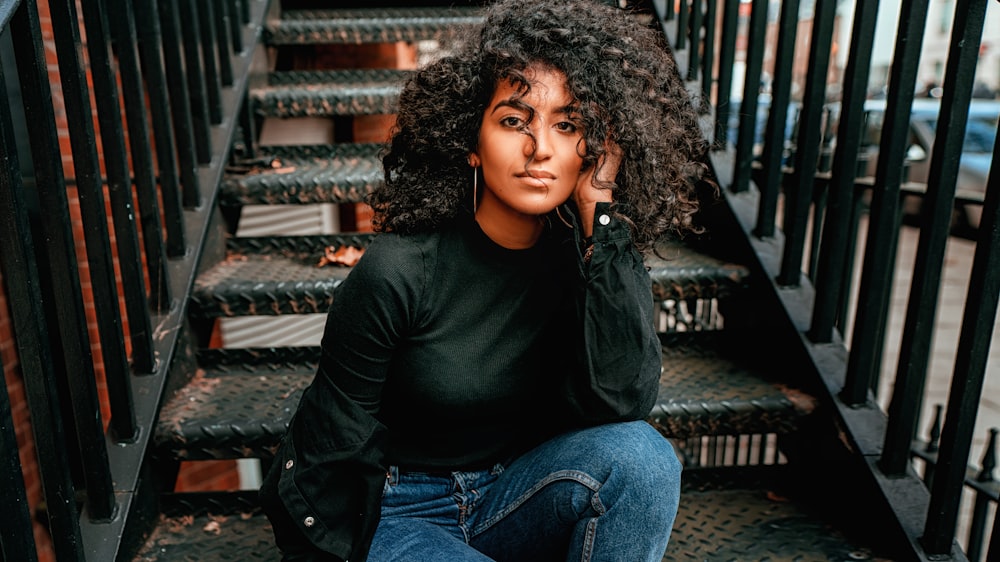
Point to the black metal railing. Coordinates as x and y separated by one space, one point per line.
762 176
168 80
979 482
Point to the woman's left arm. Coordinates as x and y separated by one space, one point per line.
618 353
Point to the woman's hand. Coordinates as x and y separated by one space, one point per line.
587 195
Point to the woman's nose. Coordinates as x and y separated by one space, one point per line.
539 144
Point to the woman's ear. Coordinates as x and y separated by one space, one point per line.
474 160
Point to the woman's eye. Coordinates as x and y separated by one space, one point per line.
566 126
511 121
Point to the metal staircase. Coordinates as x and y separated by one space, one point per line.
724 409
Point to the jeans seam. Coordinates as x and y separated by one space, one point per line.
573 475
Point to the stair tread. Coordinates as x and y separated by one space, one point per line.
741 522
239 405
370 25
327 93
283 277
341 173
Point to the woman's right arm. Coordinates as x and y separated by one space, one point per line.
324 488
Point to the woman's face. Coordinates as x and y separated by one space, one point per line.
527 175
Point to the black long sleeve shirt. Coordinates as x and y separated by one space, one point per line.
445 351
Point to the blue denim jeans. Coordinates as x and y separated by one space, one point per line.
603 494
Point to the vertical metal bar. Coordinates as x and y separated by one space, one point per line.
248 126
206 28
694 55
970 366
977 528
235 24
16 539
994 551
224 44
123 30
751 91
25 299
180 102
90 191
868 338
195 72
799 194
835 253
245 11
939 200
727 54
132 282
682 25
668 7
774 134
708 53
62 272
149 39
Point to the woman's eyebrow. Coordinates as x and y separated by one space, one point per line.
512 103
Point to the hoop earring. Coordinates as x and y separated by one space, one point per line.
475 190
559 214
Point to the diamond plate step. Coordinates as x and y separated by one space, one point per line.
377 25
709 388
339 173
279 275
312 93
237 405
724 514
240 402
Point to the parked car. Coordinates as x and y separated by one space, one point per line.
974 164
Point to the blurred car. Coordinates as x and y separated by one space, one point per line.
974 163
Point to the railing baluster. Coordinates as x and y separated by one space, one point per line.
132 282
235 24
209 55
774 133
833 256
245 11
868 339
708 52
180 102
970 366
751 93
921 310
149 39
682 25
90 192
16 539
61 263
223 44
724 84
799 194
694 57
123 30
977 528
248 127
25 301
198 91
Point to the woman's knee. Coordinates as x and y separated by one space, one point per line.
643 462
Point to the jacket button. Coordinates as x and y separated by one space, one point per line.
289 464
309 521
604 219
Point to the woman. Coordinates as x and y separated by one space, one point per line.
487 364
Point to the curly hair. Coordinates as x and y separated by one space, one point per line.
620 74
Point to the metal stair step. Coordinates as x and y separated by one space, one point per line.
279 275
708 388
338 173
371 25
724 514
309 93
237 405
240 402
